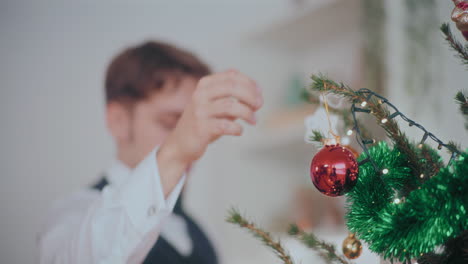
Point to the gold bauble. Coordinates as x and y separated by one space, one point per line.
352 247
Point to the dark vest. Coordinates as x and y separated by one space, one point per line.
163 253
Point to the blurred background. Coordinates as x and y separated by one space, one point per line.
54 140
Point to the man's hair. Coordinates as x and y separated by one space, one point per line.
137 72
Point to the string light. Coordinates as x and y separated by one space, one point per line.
385 171
356 109
364 161
368 141
385 120
420 145
364 103
453 156
382 100
396 201
349 132
421 176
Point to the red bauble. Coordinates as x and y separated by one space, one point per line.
334 170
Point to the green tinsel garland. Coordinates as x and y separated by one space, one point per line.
427 218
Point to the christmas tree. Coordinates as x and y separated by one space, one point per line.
403 199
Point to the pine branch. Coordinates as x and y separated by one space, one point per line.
348 121
462 100
310 97
456 249
431 258
323 84
430 162
455 252
317 136
326 250
462 51
236 218
344 114
454 147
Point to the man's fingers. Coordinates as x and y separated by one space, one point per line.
237 85
231 108
223 98
222 126
236 74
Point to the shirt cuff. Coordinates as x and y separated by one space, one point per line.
142 195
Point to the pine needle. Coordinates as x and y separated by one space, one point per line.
236 218
325 250
462 101
317 136
462 51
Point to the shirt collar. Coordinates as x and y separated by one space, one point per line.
117 172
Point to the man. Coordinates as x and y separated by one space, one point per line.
163 109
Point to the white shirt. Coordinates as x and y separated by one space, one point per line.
119 224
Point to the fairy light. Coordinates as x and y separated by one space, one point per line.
368 141
385 171
380 100
349 132
423 140
357 109
385 119
397 201
421 176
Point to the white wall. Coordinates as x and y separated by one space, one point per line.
53 136
432 106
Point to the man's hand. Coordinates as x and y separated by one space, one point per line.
218 101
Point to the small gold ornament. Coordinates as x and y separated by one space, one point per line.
460 16
352 247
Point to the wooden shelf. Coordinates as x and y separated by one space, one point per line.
319 22
324 35
284 132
